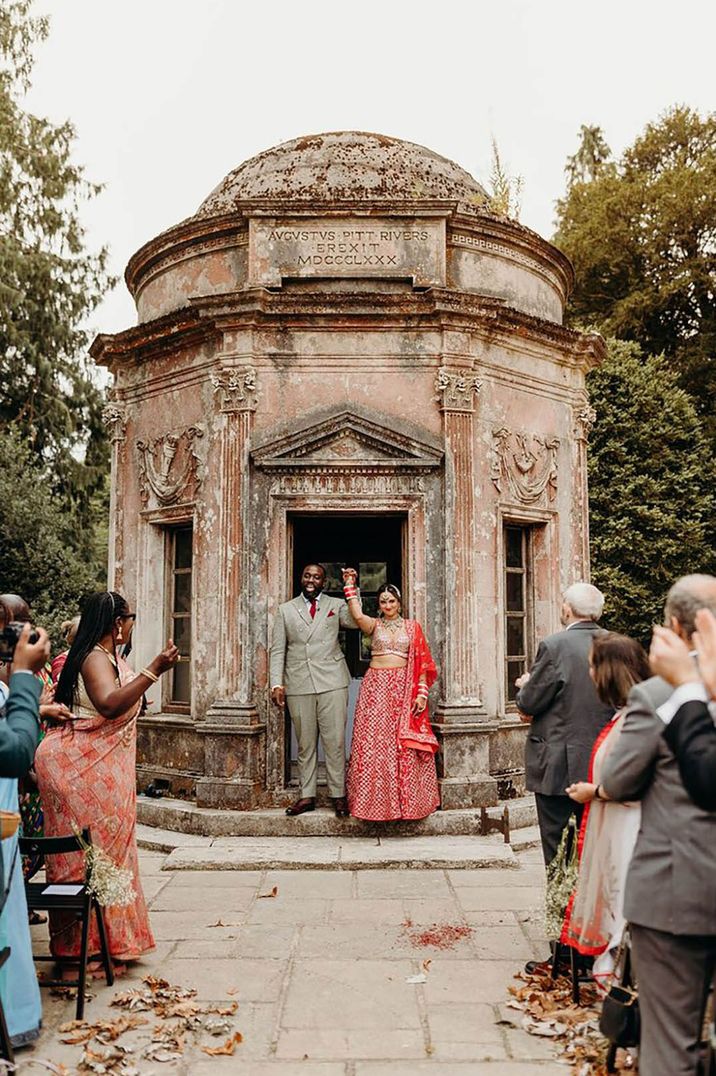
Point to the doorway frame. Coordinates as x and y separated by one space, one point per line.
410 504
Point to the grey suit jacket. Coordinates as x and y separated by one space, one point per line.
306 657
671 884
565 709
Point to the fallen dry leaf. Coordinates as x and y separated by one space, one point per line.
223 1010
273 893
228 1047
426 965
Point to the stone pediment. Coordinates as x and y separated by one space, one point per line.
347 440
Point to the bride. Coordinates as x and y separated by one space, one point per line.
391 771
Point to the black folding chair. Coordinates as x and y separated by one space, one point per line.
83 903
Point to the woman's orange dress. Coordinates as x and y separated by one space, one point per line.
86 774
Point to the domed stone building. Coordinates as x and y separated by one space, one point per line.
344 356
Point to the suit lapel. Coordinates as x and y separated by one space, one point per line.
302 610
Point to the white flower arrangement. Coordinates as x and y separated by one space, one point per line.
562 875
112 885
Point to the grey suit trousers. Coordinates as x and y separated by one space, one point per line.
325 713
673 973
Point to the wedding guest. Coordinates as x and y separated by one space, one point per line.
670 895
391 771
19 732
69 631
595 917
689 723
86 770
559 700
17 610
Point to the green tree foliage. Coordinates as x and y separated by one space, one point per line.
651 493
641 232
592 153
49 283
38 540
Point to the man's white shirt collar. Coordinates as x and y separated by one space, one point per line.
309 601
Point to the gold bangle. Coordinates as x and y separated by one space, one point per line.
149 675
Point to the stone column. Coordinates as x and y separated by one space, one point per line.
114 417
234 737
465 779
584 417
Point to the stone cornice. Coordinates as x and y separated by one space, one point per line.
232 228
437 307
181 328
521 239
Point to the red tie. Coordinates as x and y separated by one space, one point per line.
313 609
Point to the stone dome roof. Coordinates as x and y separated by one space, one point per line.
344 166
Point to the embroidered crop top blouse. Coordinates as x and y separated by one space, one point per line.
385 641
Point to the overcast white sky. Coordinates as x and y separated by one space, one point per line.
167 96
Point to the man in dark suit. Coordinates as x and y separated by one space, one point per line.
670 896
559 700
688 715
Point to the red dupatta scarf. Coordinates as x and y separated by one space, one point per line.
415 730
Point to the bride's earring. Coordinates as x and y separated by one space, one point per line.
119 634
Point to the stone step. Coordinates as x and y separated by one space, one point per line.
522 839
185 817
334 853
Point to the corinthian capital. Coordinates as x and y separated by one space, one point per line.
584 418
456 391
236 388
114 416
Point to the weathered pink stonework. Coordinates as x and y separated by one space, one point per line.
344 331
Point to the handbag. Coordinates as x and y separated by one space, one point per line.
620 1020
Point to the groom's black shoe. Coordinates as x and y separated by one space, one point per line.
340 806
300 806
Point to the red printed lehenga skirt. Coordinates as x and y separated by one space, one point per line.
387 780
86 774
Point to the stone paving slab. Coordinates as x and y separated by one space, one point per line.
321 853
320 960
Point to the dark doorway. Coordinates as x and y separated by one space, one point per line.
372 545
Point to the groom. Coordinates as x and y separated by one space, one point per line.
308 671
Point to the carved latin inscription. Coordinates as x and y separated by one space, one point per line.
170 467
524 467
348 247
